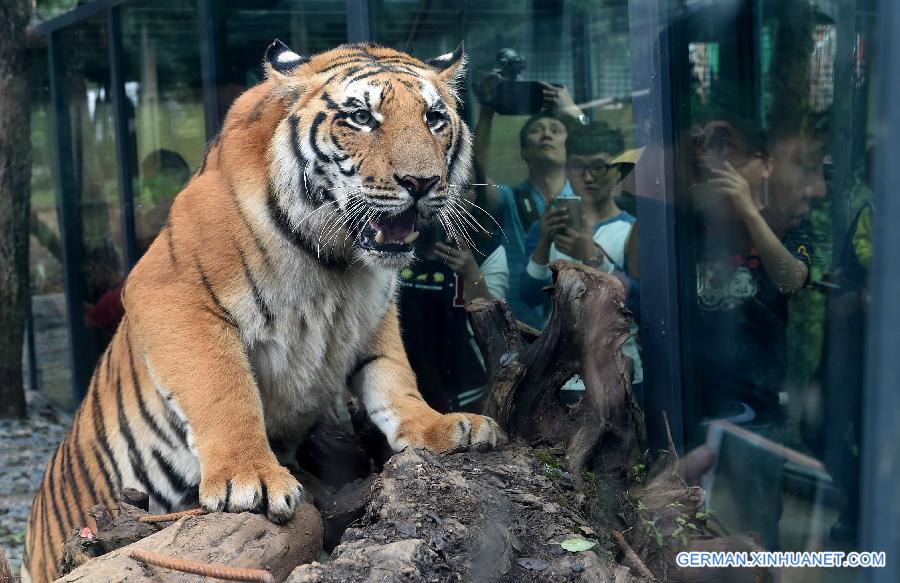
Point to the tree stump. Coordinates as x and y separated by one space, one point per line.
605 432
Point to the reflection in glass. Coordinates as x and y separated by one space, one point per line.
48 305
91 200
161 64
245 29
773 221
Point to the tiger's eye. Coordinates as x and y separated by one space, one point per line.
361 116
433 117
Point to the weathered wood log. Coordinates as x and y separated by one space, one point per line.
136 498
666 513
238 540
605 432
115 529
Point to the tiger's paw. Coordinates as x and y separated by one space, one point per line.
270 490
455 430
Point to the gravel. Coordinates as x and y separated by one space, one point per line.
25 448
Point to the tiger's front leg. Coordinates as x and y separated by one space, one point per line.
387 386
199 359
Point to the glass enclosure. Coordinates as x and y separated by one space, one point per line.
243 30
49 344
164 107
91 215
715 156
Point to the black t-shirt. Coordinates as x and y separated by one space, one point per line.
739 325
433 324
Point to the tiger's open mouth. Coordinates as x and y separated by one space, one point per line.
390 233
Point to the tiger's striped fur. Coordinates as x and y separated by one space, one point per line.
266 293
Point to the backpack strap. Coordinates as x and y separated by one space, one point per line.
525 207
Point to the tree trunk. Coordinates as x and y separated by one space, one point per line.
15 186
605 432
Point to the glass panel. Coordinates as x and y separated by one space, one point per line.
161 72
774 206
246 29
569 63
48 302
91 204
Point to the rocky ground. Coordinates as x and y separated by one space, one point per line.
25 447
509 515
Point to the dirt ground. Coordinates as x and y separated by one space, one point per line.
25 448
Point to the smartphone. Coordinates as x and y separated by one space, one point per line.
573 205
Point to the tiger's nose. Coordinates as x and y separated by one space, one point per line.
416 186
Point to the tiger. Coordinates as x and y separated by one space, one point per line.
270 289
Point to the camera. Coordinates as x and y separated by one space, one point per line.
512 95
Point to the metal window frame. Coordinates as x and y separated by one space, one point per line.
359 21
69 225
76 15
210 65
654 115
124 136
880 454
69 213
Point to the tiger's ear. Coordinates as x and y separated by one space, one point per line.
281 60
451 66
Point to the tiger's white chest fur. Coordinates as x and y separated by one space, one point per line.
323 324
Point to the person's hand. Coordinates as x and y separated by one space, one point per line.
576 244
557 99
728 182
695 463
460 260
553 220
487 88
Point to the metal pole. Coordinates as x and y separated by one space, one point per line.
880 463
656 130
210 65
69 224
124 137
359 27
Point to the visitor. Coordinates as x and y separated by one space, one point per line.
542 141
750 204
434 291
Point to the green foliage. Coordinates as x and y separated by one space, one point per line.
549 459
638 473
684 526
806 317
